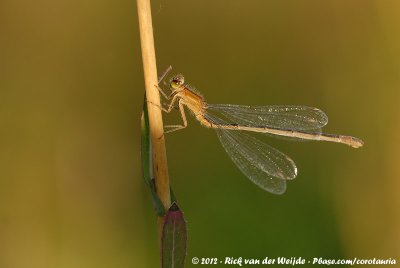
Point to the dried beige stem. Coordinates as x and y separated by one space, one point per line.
152 94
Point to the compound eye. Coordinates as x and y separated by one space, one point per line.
177 81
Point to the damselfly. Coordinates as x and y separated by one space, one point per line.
262 164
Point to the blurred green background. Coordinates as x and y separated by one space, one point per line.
71 91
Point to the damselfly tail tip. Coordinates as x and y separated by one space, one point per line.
352 141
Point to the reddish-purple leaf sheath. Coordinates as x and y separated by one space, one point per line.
174 238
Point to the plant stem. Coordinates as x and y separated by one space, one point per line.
159 154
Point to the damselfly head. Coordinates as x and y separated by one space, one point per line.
177 81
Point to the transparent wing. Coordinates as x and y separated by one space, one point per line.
282 117
265 166
262 164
